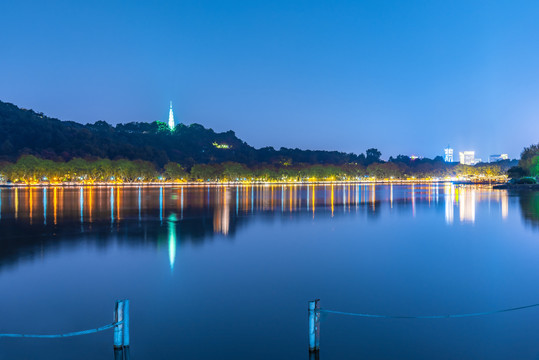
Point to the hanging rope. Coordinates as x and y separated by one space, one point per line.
429 316
76 333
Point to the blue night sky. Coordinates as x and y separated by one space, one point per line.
406 77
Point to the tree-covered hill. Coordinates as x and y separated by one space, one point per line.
26 132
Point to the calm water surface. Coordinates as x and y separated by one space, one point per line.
226 272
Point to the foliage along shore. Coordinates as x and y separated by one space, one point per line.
32 170
528 164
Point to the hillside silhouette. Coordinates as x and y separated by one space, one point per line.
26 132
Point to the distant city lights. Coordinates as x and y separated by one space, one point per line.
467 157
499 157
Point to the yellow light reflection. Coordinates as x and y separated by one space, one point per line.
373 196
221 215
413 199
290 199
348 197
90 203
16 203
118 203
55 204
314 201
332 198
31 200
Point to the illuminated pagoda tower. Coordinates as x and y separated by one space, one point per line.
171 118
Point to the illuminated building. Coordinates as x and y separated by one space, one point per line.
467 157
171 118
448 154
221 146
499 157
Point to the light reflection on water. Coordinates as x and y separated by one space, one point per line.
172 241
226 204
25 205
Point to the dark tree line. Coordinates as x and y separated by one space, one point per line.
25 132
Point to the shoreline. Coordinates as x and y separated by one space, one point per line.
496 183
516 187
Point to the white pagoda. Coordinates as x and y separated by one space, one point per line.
171 118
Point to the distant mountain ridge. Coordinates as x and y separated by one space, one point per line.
28 132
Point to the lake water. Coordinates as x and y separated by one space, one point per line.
226 272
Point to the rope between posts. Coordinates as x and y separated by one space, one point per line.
429 316
75 333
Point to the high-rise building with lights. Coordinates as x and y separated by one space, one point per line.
171 118
467 157
448 154
499 157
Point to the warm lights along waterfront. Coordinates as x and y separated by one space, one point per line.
36 203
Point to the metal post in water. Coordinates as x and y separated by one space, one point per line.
118 329
313 326
126 323
121 330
